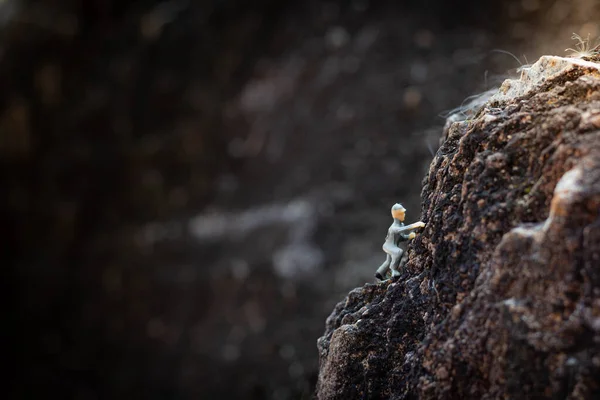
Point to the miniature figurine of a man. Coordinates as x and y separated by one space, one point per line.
398 232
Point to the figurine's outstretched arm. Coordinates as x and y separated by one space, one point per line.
408 236
407 228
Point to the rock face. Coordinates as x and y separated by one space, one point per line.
500 296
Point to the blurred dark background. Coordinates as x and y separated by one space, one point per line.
189 187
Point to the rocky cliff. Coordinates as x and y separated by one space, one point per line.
500 296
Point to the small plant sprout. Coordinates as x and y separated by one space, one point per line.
584 48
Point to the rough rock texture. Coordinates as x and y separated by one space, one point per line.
500 296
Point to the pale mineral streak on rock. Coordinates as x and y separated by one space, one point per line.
547 68
500 297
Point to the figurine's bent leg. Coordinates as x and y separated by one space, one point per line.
395 254
395 262
383 269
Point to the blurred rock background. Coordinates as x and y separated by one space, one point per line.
190 187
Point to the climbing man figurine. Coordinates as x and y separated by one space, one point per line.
397 233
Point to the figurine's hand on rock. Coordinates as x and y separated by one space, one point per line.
412 235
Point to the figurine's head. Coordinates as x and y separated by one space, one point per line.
398 212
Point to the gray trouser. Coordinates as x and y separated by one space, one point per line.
392 260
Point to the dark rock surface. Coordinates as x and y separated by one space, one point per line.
500 296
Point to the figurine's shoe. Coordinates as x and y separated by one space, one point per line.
378 276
